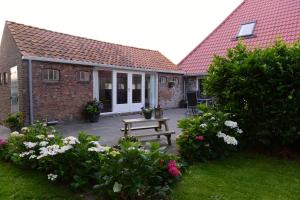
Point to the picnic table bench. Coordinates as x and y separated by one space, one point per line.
159 123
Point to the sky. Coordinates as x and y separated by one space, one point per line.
173 27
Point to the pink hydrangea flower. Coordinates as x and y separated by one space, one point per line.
171 163
172 168
174 171
199 138
2 142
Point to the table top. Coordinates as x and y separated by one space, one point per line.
138 120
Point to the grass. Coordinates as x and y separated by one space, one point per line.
20 184
244 176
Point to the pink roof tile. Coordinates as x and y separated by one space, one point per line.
274 18
37 42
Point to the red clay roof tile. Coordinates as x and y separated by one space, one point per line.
274 18
37 42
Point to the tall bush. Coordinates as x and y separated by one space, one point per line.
262 88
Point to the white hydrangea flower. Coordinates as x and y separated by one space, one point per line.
40 137
231 124
43 143
212 118
52 177
30 145
25 129
230 140
14 134
65 148
50 136
227 139
203 125
220 134
98 147
49 150
71 140
26 153
240 131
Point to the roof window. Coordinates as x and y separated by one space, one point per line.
246 29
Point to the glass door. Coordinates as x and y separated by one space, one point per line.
128 91
137 91
105 90
121 92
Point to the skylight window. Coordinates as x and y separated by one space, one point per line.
246 29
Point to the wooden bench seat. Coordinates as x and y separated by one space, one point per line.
159 133
142 127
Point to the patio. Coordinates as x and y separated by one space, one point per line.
108 128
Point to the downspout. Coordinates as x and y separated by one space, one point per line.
30 91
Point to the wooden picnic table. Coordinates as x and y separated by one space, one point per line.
157 126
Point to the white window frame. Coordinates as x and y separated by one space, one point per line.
55 75
163 82
247 34
84 76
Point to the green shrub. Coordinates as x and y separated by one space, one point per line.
208 136
126 172
14 121
135 173
262 88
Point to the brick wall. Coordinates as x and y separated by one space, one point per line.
9 57
169 97
63 100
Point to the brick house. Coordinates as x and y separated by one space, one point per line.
257 22
50 75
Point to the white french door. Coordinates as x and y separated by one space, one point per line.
128 91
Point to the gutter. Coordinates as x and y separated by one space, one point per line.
30 91
45 59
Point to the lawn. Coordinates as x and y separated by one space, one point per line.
20 184
244 176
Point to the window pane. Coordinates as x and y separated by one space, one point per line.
87 76
50 74
136 88
56 75
121 88
5 74
246 29
105 90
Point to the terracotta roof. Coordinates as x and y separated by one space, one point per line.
274 18
37 42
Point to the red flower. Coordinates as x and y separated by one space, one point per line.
174 171
199 138
2 142
171 163
172 168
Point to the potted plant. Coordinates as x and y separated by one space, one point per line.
93 109
14 121
147 112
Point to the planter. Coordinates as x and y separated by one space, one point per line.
147 115
94 117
